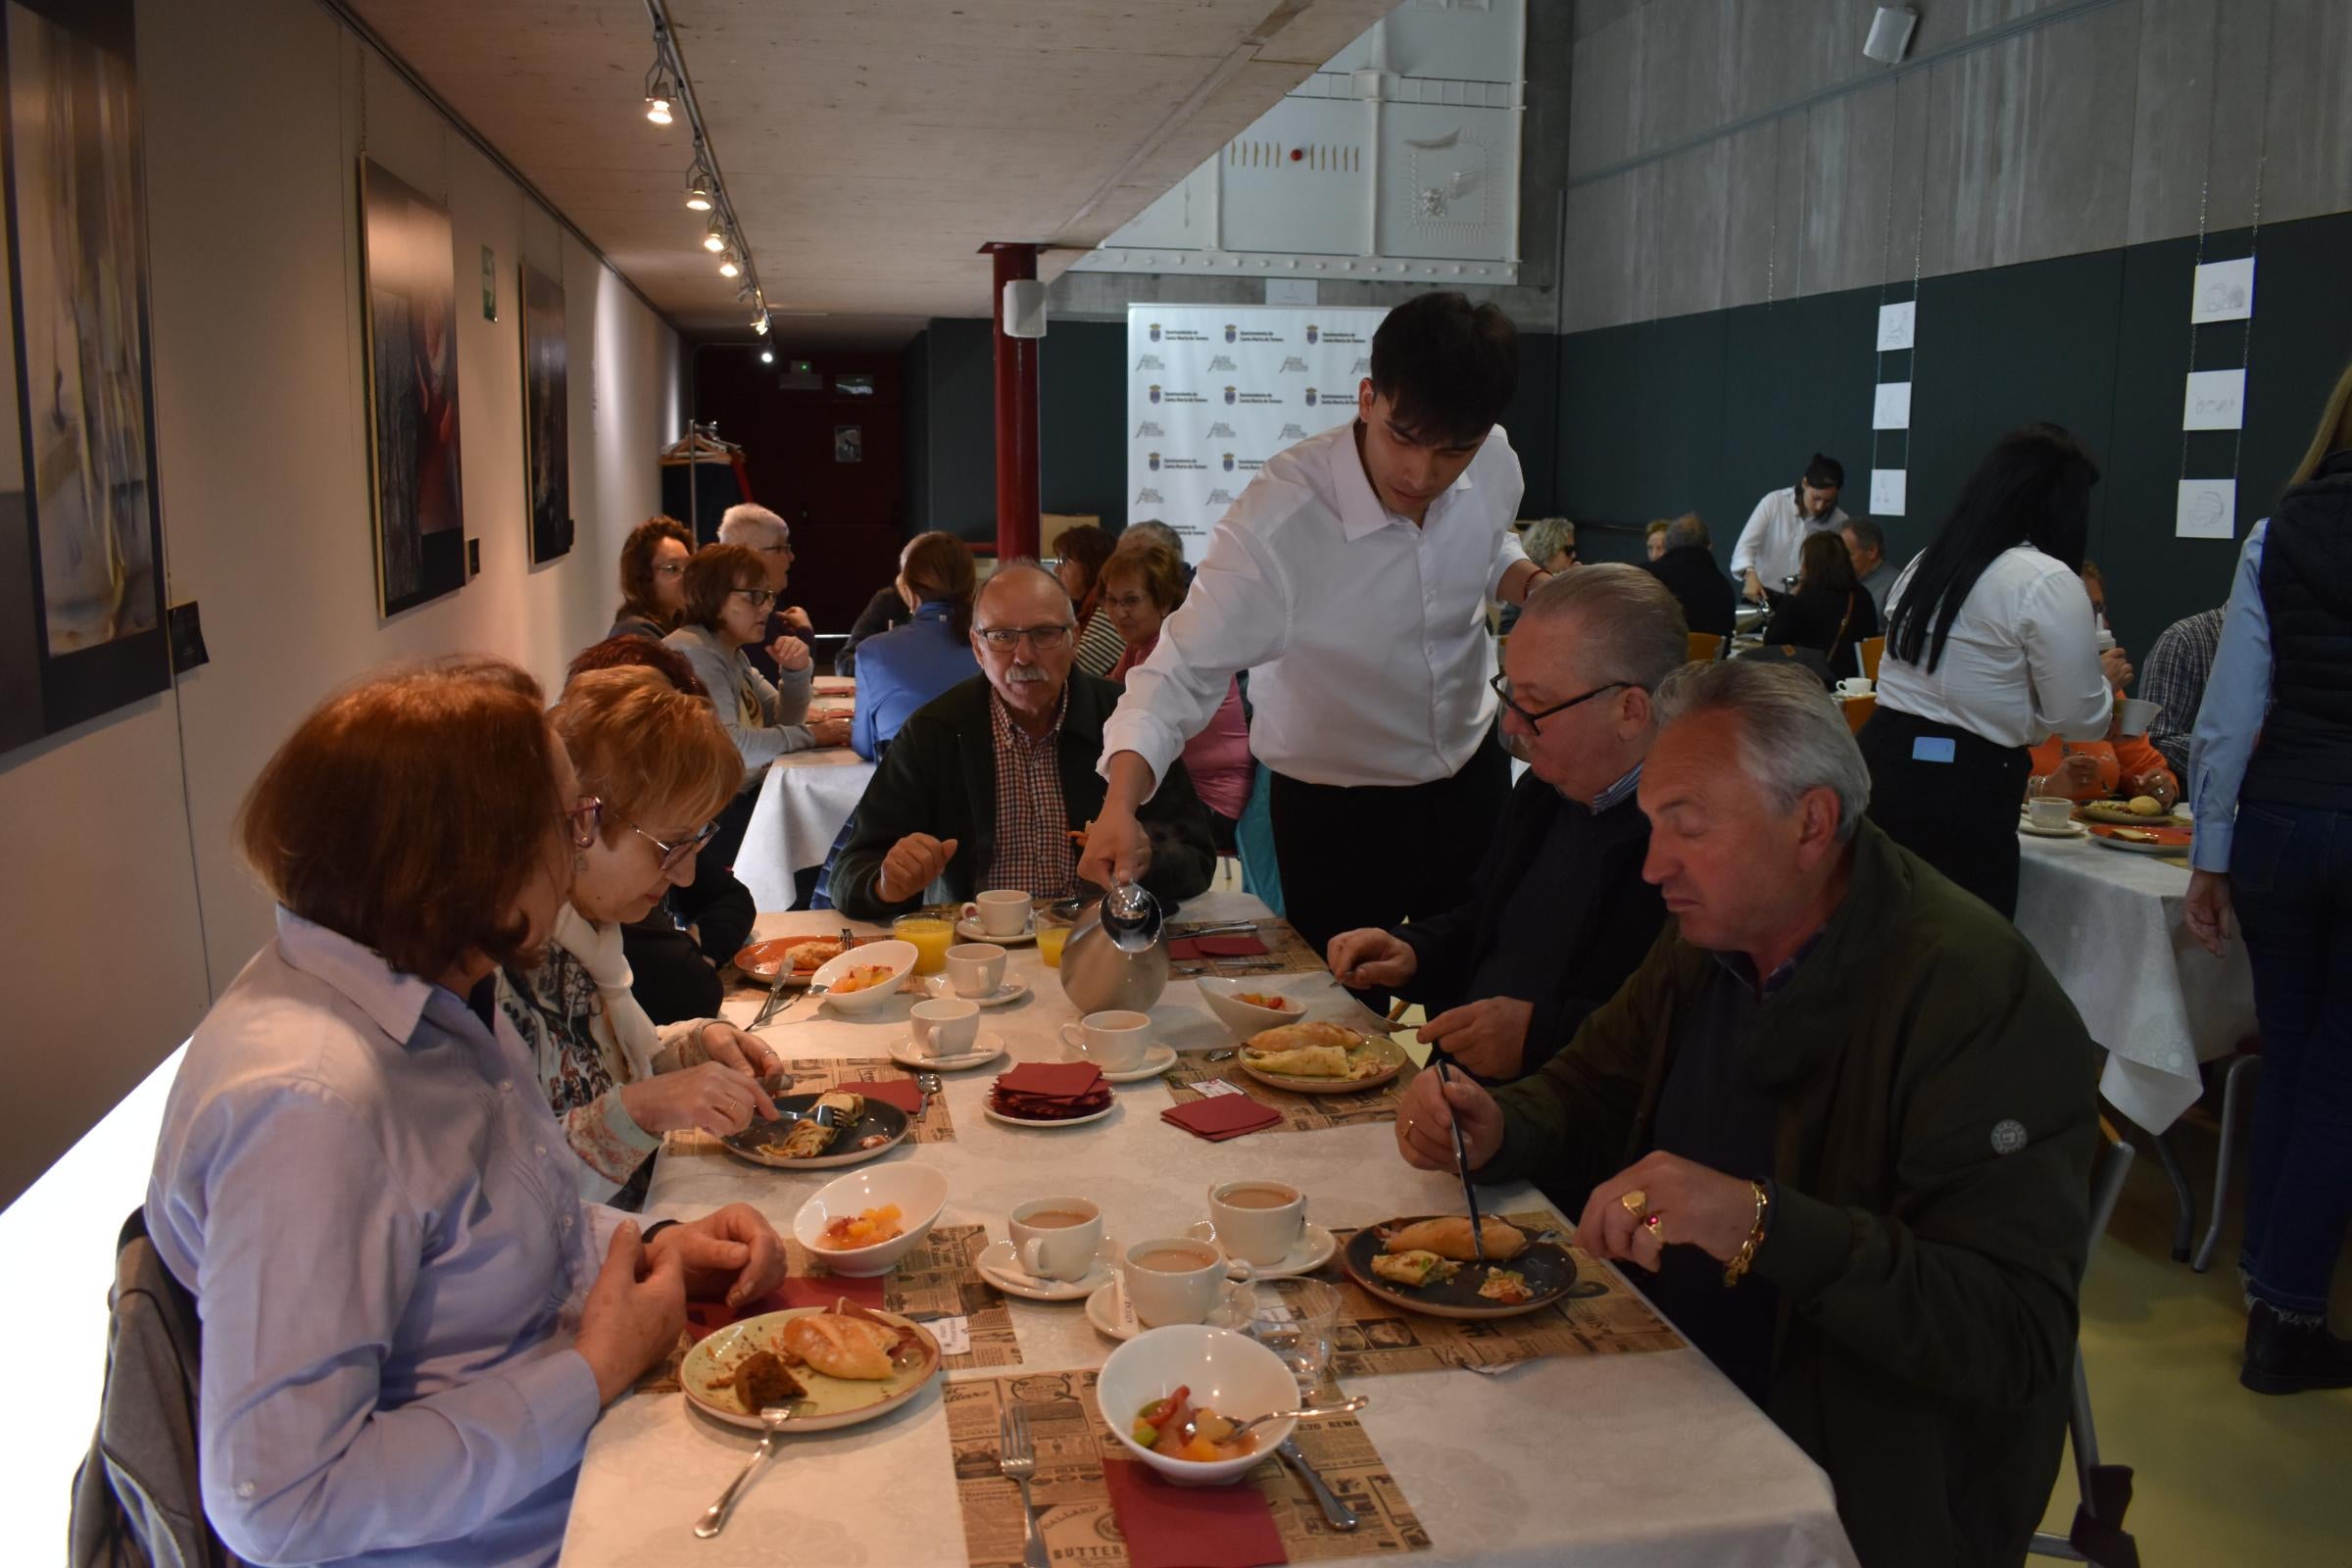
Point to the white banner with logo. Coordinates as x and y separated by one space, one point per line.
1215 390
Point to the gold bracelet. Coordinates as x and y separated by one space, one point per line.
1747 1249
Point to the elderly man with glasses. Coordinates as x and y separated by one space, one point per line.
789 640
990 784
1560 914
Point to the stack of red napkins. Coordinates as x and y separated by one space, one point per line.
1167 1526
1241 947
1222 1116
1051 1091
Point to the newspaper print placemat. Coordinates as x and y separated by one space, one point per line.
1073 1503
1193 1075
941 1280
1600 1316
1286 952
815 1075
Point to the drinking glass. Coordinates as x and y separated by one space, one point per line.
932 936
1295 1319
1051 934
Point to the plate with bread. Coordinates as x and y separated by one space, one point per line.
1321 1057
817 1132
833 1366
760 961
2141 811
1429 1264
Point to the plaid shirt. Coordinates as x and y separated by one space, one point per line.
1033 823
2174 678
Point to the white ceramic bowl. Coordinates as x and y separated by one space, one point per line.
897 955
1231 1373
1243 1018
919 1191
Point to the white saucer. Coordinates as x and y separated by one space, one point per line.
994 1114
1309 1254
1156 1061
2072 830
1010 991
986 1048
974 931
1236 1304
994 1262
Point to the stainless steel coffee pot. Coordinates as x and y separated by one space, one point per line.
1118 954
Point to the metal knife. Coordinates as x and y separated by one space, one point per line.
775 992
1335 1512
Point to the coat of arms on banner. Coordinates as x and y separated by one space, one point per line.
1310 396
1154 331
1228 463
1310 332
1229 394
1231 332
1154 462
1155 391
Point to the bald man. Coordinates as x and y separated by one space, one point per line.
989 785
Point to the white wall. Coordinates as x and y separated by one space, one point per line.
253 133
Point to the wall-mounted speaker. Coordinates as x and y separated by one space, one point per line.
1025 308
1889 33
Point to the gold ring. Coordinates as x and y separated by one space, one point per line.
1637 1202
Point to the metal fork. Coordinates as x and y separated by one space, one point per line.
1016 1457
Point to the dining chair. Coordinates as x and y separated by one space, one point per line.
1873 649
1858 710
1705 647
2104 1490
2248 1057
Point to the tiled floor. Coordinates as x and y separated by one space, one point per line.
2222 1477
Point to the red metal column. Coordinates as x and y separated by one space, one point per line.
1016 412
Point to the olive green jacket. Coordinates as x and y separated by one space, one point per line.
1933 1162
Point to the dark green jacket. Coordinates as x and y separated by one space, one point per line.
939 777
1926 1343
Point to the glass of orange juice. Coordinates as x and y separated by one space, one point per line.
932 936
1051 934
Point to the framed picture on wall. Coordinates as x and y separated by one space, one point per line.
407 271
848 443
546 414
81 583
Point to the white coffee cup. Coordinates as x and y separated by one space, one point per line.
1063 1249
975 968
1112 1041
1856 686
945 1027
999 913
1260 1231
2049 812
2133 715
1178 1280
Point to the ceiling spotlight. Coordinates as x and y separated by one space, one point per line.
727 266
716 239
660 89
759 324
767 356
698 188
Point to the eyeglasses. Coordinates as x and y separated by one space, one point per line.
674 569
674 856
761 597
1004 639
1502 689
783 548
584 819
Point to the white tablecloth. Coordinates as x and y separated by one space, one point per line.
1630 1459
2108 924
804 800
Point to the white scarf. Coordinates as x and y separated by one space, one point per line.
628 1037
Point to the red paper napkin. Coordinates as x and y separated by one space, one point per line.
1222 1116
903 1093
1167 1526
1052 1080
1215 948
708 1317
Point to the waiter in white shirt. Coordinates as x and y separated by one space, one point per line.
1769 545
1352 580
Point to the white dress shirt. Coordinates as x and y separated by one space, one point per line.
1365 637
2022 662
1775 536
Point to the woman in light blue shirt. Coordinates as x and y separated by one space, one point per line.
900 669
410 1319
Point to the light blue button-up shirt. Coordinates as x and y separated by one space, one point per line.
900 669
376 1211
2237 699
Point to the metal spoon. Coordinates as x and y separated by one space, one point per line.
715 1517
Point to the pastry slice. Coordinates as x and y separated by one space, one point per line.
1302 1061
1414 1269
1449 1237
842 1346
809 1136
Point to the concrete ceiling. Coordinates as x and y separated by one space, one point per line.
870 149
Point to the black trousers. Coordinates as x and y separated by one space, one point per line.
1960 817
1375 856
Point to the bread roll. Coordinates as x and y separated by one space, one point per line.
1450 1238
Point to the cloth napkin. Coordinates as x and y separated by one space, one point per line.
1215 948
1052 1080
1167 1526
903 1093
1222 1116
708 1317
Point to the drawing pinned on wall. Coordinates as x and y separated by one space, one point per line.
1891 410
2216 400
1886 491
2224 292
2207 509
1896 324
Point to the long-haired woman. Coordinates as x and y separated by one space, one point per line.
652 578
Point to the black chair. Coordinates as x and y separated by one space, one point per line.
2098 1536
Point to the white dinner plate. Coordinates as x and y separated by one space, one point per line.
1313 1249
998 1265
986 1049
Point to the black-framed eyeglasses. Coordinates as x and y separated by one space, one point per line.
1502 689
1004 639
583 820
675 855
761 597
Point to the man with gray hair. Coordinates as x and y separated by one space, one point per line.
791 642
1846 1089
1687 567
1560 914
